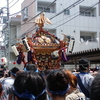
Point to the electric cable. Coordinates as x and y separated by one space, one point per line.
64 18
65 22
77 15
73 17
88 8
71 6
68 8
22 9
63 6
11 1
13 4
34 16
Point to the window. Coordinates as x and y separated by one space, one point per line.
88 36
82 13
66 12
40 8
43 8
41 5
25 13
46 9
85 11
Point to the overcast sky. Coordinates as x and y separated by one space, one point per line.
12 10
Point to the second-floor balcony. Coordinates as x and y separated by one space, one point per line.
87 11
45 6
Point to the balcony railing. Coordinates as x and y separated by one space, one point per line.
80 46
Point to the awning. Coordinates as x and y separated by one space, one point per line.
92 54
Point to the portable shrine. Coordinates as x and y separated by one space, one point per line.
41 45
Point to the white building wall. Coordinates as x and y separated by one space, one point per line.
71 24
74 26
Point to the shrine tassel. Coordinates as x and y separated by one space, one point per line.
19 59
29 56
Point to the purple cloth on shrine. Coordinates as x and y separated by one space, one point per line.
19 59
29 56
64 56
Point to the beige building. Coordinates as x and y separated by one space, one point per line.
28 12
12 32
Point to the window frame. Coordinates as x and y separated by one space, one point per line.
25 13
67 12
44 8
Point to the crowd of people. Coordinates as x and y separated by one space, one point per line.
51 84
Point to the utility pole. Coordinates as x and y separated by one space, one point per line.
6 28
8 35
7 10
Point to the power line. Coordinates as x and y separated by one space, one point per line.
13 4
88 8
63 6
11 1
65 18
77 15
31 30
22 9
42 11
34 16
71 18
59 25
71 6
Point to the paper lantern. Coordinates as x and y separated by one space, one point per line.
25 43
15 50
4 60
71 44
